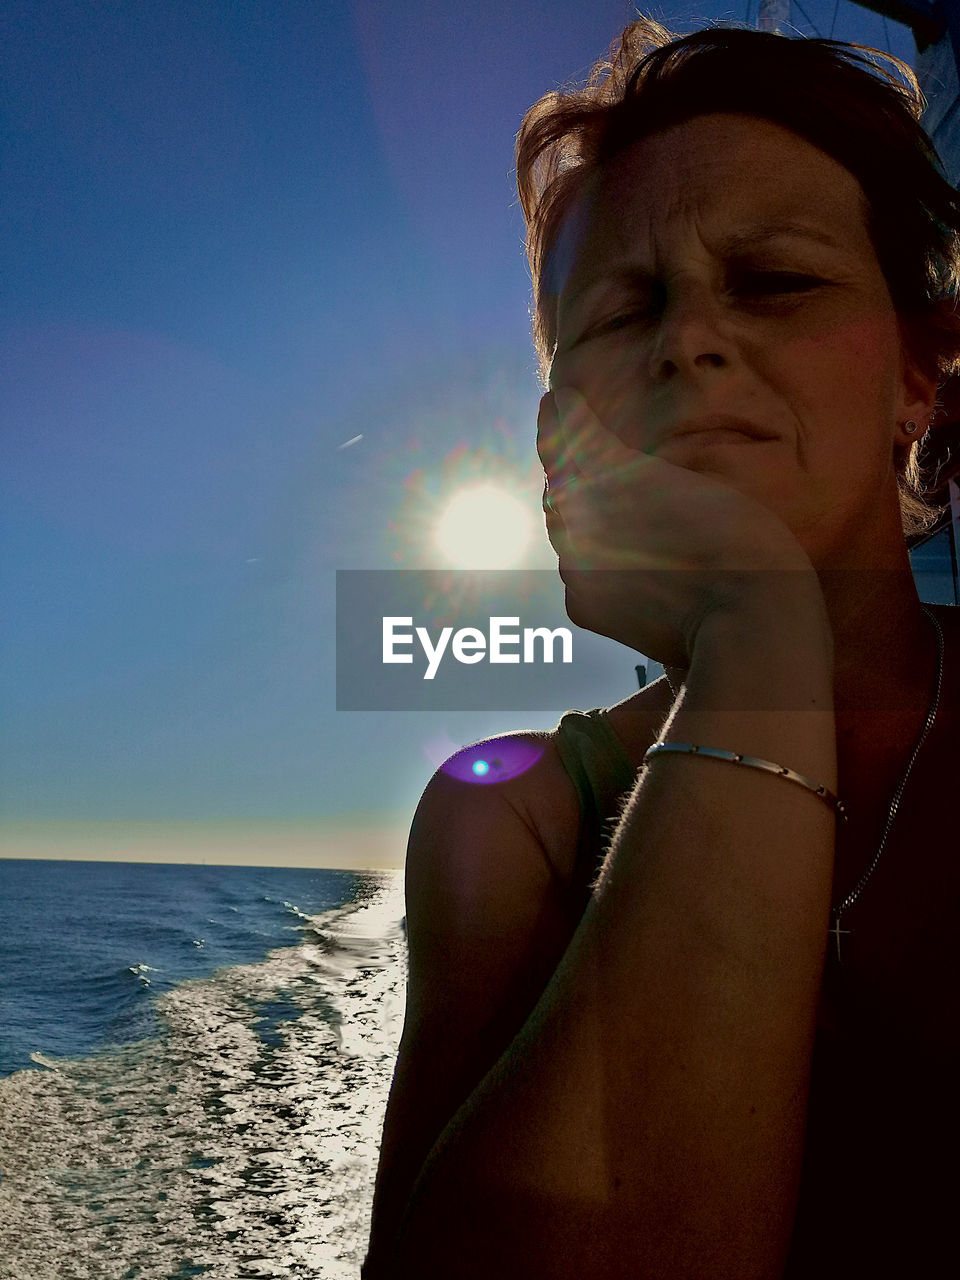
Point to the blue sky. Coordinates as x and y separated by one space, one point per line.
236 236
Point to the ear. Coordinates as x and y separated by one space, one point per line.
916 401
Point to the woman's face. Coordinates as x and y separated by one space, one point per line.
722 269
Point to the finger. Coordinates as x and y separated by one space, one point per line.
549 446
594 448
560 468
556 528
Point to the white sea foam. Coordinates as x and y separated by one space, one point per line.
242 1142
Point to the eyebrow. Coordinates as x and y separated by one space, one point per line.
778 230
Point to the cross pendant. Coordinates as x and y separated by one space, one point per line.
836 931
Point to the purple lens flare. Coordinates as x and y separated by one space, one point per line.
495 760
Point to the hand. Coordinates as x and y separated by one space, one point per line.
648 550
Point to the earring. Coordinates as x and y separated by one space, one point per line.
910 427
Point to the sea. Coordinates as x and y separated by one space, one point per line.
194 1066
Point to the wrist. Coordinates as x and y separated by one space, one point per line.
772 648
771 608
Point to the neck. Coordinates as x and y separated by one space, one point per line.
885 650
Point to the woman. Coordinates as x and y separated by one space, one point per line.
722 1040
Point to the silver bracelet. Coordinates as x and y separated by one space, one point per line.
688 748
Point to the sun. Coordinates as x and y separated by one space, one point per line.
483 527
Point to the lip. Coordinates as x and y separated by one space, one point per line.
717 422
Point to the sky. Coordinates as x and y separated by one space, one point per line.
265 308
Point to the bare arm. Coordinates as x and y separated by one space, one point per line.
648 1118
487 924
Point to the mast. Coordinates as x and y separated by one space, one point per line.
773 15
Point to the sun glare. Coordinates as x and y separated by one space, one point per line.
483 527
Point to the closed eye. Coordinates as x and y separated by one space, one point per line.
756 286
621 321
760 283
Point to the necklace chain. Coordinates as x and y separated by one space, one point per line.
846 903
854 895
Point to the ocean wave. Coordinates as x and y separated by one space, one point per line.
241 1140
140 971
43 1061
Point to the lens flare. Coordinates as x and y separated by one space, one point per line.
495 760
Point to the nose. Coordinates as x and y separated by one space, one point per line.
690 337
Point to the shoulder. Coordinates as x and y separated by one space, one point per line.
492 854
493 802
519 780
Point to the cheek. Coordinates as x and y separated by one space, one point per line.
871 345
849 371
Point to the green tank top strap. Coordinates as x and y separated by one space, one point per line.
603 775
